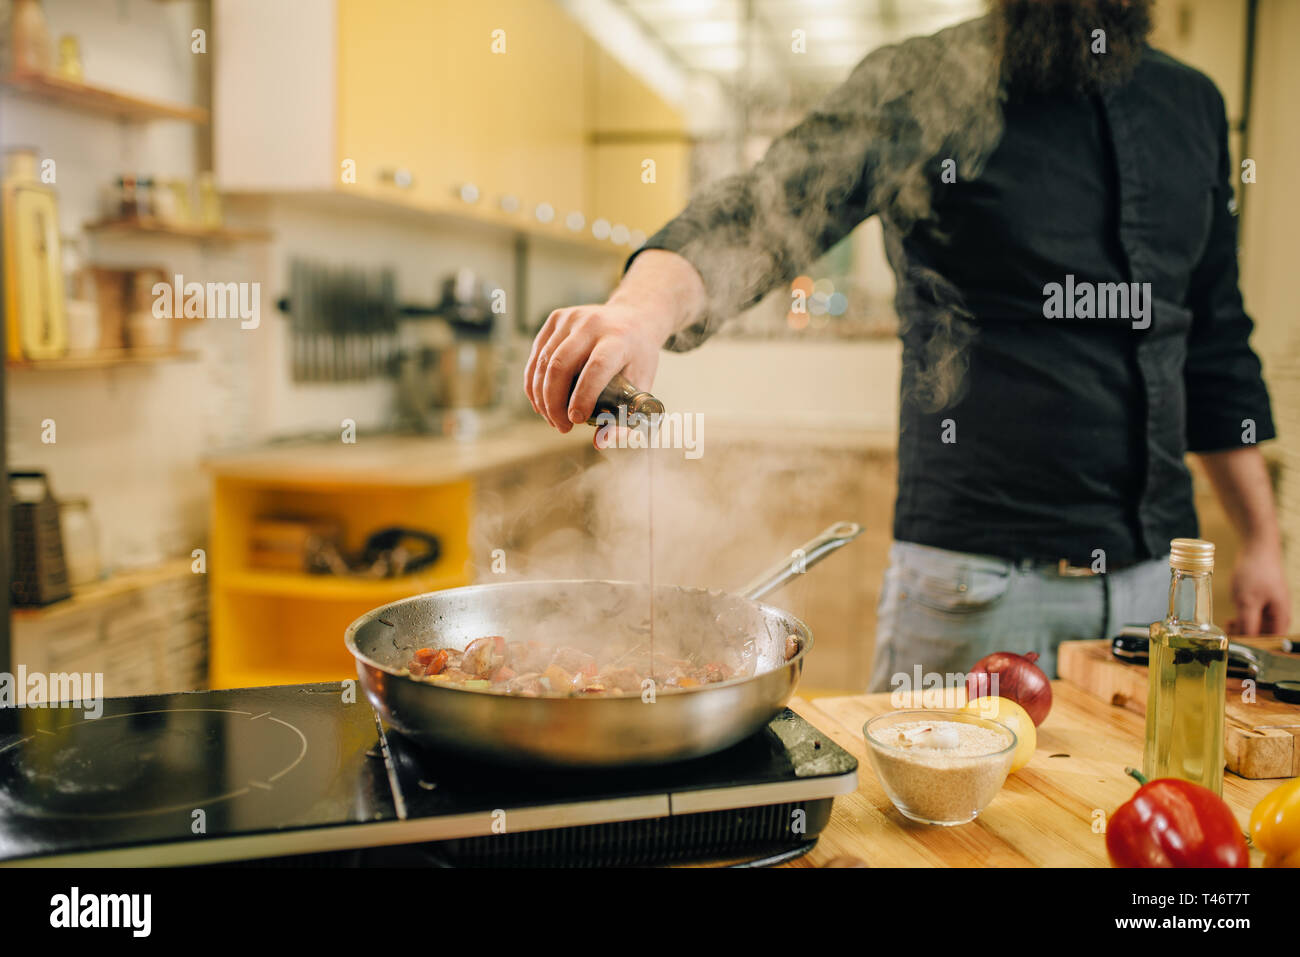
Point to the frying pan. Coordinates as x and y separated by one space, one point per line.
591 731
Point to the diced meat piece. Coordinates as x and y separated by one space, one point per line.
623 679
574 660
484 656
527 656
557 680
516 654
791 646
528 685
665 664
533 668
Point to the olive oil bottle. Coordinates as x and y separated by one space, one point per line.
1188 675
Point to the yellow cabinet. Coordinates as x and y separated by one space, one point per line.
521 102
639 152
280 627
622 190
510 96
392 120
433 96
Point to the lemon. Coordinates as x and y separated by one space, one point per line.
1010 715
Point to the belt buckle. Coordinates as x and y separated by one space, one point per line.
1066 570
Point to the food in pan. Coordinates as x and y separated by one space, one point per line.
533 669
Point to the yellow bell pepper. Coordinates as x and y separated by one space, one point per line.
1275 825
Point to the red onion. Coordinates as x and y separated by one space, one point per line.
1018 678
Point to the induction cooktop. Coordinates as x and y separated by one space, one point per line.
307 773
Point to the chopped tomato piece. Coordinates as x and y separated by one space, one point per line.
427 661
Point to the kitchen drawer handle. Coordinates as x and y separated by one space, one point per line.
399 177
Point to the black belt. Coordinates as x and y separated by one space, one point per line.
1065 570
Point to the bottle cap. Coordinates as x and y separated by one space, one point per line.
1191 555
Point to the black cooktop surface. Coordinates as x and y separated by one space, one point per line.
188 767
259 772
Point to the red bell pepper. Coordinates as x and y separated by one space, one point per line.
1174 823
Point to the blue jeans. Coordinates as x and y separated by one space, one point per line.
946 610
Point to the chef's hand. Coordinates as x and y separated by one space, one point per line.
1241 481
1259 591
659 294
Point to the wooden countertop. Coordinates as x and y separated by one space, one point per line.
388 459
1042 817
817 435
407 460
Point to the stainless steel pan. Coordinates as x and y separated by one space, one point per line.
595 731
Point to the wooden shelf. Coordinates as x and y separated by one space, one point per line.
479 219
158 227
406 462
107 589
336 588
97 99
106 359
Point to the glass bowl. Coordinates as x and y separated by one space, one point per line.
936 785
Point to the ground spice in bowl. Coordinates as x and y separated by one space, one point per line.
939 767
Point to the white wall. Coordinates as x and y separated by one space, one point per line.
130 438
819 383
421 254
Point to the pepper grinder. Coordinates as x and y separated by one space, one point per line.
620 392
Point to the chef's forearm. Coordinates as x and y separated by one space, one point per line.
666 287
747 234
1240 479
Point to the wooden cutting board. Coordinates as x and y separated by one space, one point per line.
1050 813
1261 736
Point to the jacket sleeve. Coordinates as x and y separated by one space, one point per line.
1227 401
746 234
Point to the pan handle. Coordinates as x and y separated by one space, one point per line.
801 559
